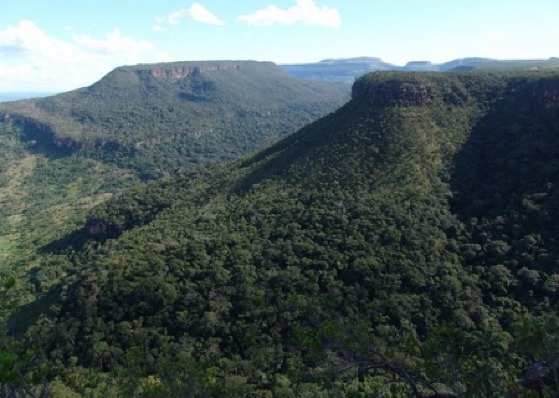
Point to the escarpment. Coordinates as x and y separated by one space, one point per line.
405 89
181 72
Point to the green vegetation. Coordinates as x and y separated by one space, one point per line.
61 156
403 246
43 198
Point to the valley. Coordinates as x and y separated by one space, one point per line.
412 230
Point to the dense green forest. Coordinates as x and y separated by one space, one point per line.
404 245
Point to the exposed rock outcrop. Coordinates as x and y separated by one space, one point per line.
404 89
181 72
395 92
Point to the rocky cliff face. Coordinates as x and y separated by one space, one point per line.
181 72
394 92
406 90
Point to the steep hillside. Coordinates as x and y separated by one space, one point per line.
402 246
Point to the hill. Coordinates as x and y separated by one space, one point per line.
403 246
164 116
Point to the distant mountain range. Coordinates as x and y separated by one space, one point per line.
348 69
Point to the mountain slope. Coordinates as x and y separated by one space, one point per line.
399 216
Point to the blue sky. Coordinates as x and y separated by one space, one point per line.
62 44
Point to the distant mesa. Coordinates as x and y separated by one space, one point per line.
352 60
348 70
338 70
393 90
182 72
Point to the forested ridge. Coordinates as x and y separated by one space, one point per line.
160 117
404 245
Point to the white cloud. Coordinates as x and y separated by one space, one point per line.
159 25
34 60
196 12
201 14
114 43
305 12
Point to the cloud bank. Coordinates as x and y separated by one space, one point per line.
34 60
305 12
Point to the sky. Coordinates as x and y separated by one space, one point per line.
58 45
